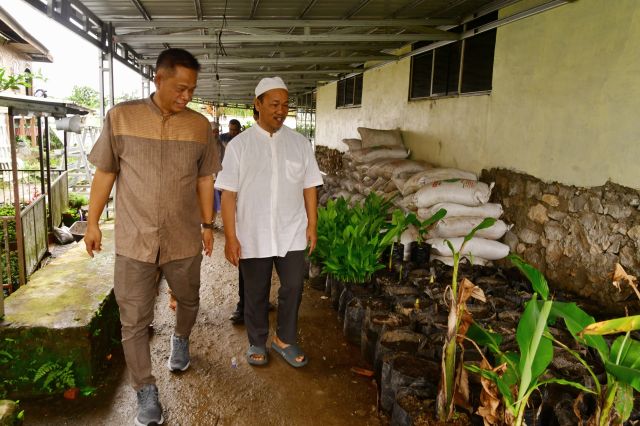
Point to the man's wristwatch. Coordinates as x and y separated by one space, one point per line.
207 225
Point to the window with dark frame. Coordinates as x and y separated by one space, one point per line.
349 92
446 69
421 67
461 67
477 64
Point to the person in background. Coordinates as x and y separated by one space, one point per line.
215 128
225 138
161 155
269 210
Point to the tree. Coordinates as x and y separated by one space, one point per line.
85 96
126 97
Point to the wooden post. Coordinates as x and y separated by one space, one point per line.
16 197
34 131
40 156
47 147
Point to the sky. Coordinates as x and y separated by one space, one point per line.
75 61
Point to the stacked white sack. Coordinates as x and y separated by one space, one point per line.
458 210
419 180
475 248
459 226
466 201
459 191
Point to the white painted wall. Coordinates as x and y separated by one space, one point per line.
564 104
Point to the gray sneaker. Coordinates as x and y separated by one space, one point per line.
179 359
149 408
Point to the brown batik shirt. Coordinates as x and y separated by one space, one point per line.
158 160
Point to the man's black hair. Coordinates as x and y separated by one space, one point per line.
234 121
171 58
256 113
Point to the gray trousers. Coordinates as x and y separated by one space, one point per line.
136 287
257 285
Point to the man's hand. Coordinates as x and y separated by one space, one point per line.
207 241
232 250
93 239
312 238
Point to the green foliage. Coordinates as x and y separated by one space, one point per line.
332 219
400 222
8 210
351 240
76 201
15 81
52 377
126 97
445 400
534 276
54 142
88 391
85 96
525 369
424 226
621 360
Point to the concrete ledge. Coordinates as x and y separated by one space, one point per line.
66 313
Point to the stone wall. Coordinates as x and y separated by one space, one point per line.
574 235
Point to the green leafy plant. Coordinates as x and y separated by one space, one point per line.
332 219
621 360
9 211
76 201
425 226
354 239
52 377
445 400
518 375
88 391
399 223
13 81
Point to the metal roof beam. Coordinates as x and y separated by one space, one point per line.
281 23
357 8
254 7
281 73
307 8
347 38
198 7
251 49
297 60
251 82
143 11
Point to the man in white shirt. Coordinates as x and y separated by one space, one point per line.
269 211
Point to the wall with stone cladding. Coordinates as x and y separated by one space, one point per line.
574 235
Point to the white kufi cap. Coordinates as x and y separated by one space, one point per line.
270 83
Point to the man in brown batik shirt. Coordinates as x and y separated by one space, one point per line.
161 156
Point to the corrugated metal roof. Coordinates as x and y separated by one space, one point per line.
309 42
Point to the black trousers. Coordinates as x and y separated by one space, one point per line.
240 305
256 273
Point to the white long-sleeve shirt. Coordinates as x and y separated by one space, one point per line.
269 173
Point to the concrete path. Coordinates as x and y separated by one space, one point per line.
212 392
